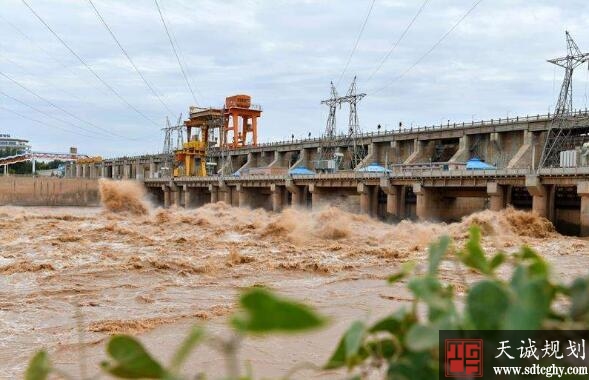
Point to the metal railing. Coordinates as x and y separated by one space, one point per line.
437 127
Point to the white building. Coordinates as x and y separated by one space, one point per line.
7 142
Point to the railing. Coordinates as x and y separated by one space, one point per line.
401 174
440 127
582 113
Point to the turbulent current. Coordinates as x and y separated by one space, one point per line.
70 277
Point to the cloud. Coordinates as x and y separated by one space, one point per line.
284 53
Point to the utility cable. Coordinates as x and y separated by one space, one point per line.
110 31
355 43
394 46
44 124
47 114
175 52
115 92
60 108
431 49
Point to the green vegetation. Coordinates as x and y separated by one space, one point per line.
404 344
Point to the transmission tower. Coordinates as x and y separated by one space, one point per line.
328 142
169 145
560 133
356 150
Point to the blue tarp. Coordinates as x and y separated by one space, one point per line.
476 163
374 168
301 171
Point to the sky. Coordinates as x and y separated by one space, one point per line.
283 53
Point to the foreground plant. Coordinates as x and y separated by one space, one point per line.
404 344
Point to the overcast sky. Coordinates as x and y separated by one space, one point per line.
284 54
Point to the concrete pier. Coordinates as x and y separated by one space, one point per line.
427 179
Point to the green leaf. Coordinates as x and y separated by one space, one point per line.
579 298
395 324
406 269
264 312
497 260
473 255
354 338
437 297
531 306
347 351
422 337
195 336
413 365
131 361
487 302
39 367
436 253
383 348
537 266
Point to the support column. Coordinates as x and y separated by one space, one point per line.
395 198
296 191
177 197
187 196
277 197
243 197
496 194
315 196
214 193
167 197
427 202
102 170
583 191
125 170
84 170
540 196
139 171
225 193
365 198
151 168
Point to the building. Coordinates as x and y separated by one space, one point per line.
8 143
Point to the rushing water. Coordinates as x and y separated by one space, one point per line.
70 277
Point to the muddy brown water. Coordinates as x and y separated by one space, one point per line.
71 277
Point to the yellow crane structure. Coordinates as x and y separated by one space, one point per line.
191 160
226 128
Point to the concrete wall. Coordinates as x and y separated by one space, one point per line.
30 191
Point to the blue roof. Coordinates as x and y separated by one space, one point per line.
476 163
301 171
374 168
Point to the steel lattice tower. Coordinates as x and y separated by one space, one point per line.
354 131
559 136
328 142
329 139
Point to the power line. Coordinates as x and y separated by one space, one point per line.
58 107
182 58
43 123
394 46
356 43
47 53
153 91
49 115
117 94
434 46
175 52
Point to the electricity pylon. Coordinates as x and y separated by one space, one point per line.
559 136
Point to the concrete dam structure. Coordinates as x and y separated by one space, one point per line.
426 176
